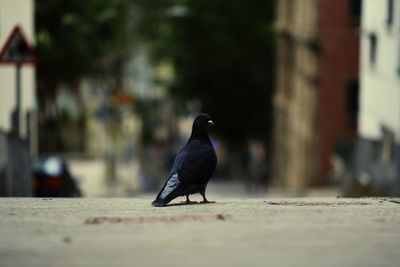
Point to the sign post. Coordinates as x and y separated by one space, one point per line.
17 51
17 111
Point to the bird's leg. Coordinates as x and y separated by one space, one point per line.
188 201
205 200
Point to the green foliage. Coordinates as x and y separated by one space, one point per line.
222 52
79 38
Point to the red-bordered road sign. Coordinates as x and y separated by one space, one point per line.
17 50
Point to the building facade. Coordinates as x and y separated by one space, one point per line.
317 65
295 97
376 168
380 69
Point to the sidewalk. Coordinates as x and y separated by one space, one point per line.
232 232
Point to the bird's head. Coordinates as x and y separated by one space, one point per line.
200 124
202 121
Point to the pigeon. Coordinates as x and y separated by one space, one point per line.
193 166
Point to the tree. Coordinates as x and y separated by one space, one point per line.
77 39
222 52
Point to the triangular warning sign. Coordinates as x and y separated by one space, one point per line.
17 49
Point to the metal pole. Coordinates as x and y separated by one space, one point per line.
17 99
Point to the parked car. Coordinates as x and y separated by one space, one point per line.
52 178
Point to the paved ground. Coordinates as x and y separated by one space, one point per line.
232 232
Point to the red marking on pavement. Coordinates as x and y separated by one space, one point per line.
154 219
316 203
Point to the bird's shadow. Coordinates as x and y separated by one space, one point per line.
189 204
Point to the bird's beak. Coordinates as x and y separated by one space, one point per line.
211 122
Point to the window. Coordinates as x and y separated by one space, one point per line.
398 68
373 43
355 8
352 94
389 15
355 11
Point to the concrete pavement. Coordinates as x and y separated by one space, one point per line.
232 232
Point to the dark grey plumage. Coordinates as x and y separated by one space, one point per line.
193 166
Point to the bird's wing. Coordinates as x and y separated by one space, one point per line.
172 184
194 163
173 188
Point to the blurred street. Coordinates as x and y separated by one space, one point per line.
99 102
232 232
286 113
93 184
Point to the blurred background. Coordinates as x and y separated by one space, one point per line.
98 96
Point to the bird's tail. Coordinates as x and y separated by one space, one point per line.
168 192
162 199
159 202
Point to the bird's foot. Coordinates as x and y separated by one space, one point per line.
188 201
206 201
